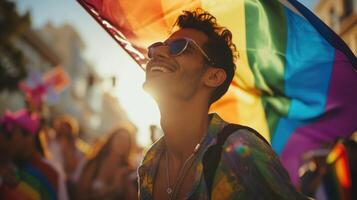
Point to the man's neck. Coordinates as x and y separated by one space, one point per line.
184 125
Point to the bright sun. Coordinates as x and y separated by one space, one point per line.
139 105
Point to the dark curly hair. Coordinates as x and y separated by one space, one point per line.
219 46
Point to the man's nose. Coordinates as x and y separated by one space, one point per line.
161 51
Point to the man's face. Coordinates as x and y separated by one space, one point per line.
182 77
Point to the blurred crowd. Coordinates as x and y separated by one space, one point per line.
44 156
48 160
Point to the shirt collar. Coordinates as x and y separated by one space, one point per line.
148 167
215 126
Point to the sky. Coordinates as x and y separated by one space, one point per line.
309 3
106 55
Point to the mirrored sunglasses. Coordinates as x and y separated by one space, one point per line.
177 47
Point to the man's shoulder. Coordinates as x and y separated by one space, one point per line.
244 135
245 143
249 160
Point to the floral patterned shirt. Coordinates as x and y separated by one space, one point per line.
248 169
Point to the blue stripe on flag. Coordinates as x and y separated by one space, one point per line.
308 68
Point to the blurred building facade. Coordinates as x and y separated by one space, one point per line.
38 57
341 16
68 45
85 99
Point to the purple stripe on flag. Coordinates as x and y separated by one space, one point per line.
339 120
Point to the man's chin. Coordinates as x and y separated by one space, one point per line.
150 88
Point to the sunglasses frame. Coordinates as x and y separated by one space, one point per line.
188 40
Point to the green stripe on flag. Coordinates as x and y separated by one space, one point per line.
266 46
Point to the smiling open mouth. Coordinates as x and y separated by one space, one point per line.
159 69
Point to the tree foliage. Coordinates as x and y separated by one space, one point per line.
12 61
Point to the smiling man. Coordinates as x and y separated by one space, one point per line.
200 155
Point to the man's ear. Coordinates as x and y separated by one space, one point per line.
214 77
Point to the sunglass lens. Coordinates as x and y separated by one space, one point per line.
177 46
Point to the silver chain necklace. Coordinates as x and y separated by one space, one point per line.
172 192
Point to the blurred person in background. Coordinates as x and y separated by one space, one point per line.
26 173
109 174
8 179
45 135
64 149
330 172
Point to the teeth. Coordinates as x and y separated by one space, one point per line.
160 69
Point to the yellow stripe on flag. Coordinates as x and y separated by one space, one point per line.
242 103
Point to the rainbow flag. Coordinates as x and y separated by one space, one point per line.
34 184
296 80
38 180
338 183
